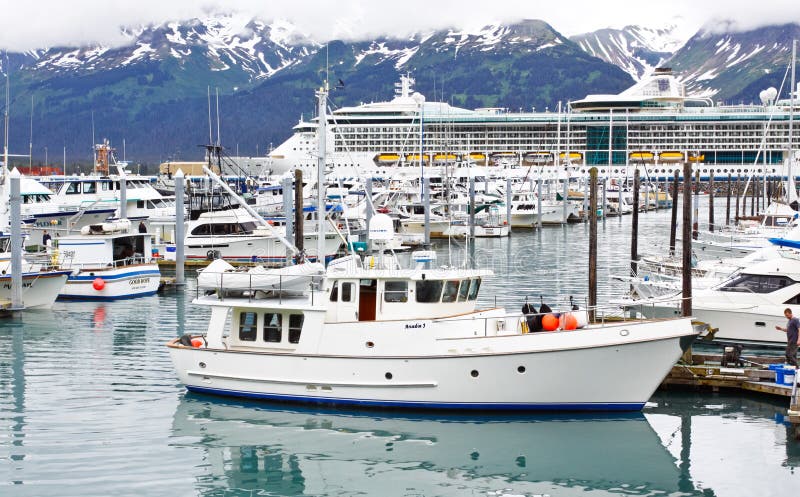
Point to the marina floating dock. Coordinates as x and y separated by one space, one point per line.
707 372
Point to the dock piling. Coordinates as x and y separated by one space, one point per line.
711 202
635 225
539 203
673 227
426 202
592 243
15 201
298 211
123 196
180 257
686 270
728 203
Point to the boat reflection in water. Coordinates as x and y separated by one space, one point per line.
287 450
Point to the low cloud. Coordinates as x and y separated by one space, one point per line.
50 23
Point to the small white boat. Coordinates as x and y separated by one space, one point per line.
221 275
40 285
107 263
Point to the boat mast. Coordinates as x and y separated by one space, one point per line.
792 193
322 138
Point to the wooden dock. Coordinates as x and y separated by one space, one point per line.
706 371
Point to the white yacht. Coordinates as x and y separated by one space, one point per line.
747 306
377 335
235 235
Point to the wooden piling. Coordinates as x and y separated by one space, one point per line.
635 224
754 196
298 210
673 227
696 215
711 202
686 302
728 203
744 199
736 211
593 242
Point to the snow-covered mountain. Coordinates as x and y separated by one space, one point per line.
735 65
636 49
152 90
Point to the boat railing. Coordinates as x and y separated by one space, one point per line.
518 322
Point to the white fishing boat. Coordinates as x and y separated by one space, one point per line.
378 335
106 262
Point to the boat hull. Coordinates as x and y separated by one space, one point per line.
118 283
585 370
39 290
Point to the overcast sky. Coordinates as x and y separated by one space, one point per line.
29 24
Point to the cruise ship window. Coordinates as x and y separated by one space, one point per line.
273 327
247 326
295 327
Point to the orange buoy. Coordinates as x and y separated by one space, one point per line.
549 322
98 284
568 321
197 343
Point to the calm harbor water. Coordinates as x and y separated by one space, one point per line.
90 406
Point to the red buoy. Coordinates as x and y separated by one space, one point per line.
197 343
568 322
98 284
549 322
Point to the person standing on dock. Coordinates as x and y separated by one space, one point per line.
791 336
142 227
46 238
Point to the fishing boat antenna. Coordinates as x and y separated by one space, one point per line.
30 142
322 124
208 89
219 141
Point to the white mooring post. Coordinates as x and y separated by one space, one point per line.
16 242
179 227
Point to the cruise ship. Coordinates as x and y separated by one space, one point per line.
654 125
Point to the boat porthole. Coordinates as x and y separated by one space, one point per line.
474 373
521 369
370 345
388 376
624 333
202 364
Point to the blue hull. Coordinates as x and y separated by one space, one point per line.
421 405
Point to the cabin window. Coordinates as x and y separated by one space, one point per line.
753 283
73 188
247 326
429 291
203 229
463 290
395 291
89 187
450 291
335 293
295 327
794 300
272 327
474 285
140 204
347 292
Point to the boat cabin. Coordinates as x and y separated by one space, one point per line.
385 295
101 249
